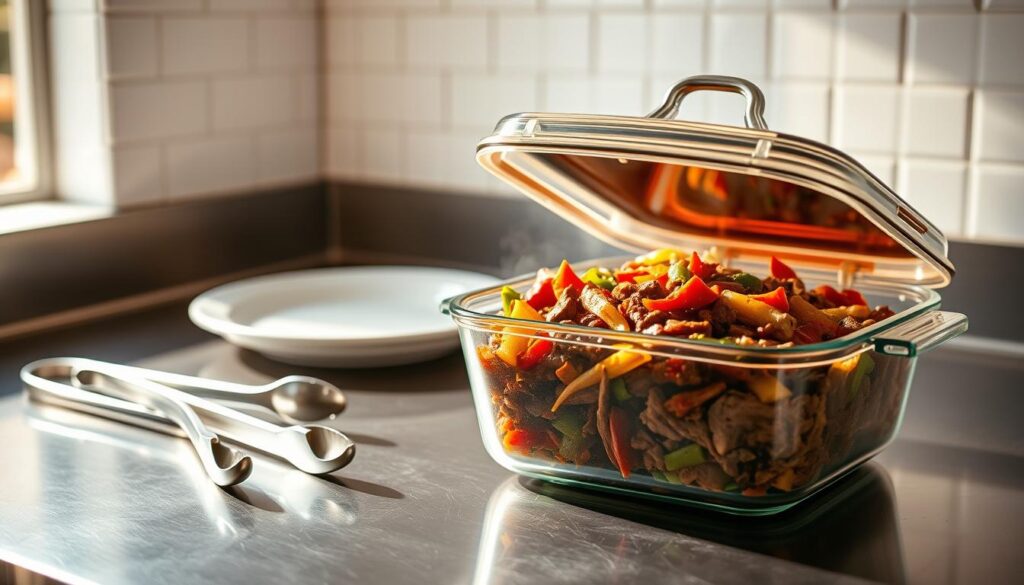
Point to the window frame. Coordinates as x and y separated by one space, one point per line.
32 112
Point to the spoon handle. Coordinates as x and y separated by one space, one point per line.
225 465
293 443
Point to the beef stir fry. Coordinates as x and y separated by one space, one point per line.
716 427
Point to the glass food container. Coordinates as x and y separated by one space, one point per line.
768 426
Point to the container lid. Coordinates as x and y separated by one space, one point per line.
652 182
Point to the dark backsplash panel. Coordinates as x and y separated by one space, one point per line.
509 236
50 270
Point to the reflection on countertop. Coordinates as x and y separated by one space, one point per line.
88 499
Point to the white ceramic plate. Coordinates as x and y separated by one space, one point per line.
339 317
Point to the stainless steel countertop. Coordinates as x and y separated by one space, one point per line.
87 500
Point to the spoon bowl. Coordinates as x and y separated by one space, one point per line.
305 399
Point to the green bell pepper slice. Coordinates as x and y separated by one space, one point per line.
508 294
687 456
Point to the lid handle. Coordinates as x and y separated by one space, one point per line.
754 116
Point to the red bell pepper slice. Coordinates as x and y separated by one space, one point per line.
831 295
663 280
847 297
780 270
618 424
534 353
854 297
700 268
542 294
566 278
629 275
776 299
692 295
525 440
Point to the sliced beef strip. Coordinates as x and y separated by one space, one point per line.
653 452
708 475
755 442
692 427
687 328
650 319
720 316
633 308
603 414
623 290
567 308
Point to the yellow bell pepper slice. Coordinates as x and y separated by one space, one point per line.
615 365
661 256
768 389
513 339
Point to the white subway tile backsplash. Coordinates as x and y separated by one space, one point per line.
936 122
286 42
936 189
819 4
524 4
677 43
210 165
342 97
479 101
942 48
802 47
554 42
341 41
254 5
446 41
158 110
998 206
622 42
405 98
204 45
1007 5
962 5
444 160
873 5
381 150
738 43
866 118
869 46
567 94
376 41
676 3
149 5
570 3
306 91
137 175
342 153
1001 126
882 167
252 102
739 3
411 86
800 109
1002 45
619 95
131 46
287 155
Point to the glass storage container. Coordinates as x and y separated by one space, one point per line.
750 193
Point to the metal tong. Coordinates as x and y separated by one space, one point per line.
116 392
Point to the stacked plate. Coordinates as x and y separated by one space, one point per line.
339 317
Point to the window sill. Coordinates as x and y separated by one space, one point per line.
21 217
